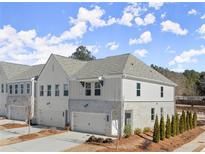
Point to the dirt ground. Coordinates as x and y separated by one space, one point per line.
43 133
142 143
10 126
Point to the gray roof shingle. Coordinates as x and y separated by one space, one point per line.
12 69
29 73
125 64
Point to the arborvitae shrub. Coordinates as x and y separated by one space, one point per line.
194 120
156 133
173 126
177 123
187 121
162 128
190 120
168 128
181 124
184 121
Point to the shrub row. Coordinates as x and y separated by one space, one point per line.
174 126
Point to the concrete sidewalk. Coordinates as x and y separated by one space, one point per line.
8 121
196 145
54 143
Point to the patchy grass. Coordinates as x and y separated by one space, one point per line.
22 138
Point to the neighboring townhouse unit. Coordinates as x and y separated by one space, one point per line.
21 99
106 94
7 71
53 90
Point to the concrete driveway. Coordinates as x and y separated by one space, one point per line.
7 133
54 143
8 121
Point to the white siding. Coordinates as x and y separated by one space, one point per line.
149 91
111 90
52 74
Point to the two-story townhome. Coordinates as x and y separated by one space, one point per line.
7 71
21 97
53 90
107 94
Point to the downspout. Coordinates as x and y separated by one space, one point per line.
32 98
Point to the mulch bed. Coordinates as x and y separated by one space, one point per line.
10 126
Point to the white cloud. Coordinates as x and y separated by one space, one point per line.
201 31
126 19
192 12
140 53
187 56
178 68
112 45
203 16
156 5
169 26
148 19
144 38
28 48
163 15
169 50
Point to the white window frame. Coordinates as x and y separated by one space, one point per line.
98 87
10 89
22 88
2 88
65 89
28 88
41 90
88 88
57 90
161 91
49 90
138 89
16 89
152 114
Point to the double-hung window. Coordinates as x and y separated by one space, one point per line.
152 113
49 90
10 89
41 90
162 92
57 90
28 88
16 89
161 111
2 88
22 88
88 89
65 90
97 89
138 89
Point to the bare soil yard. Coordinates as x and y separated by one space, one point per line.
142 143
27 137
10 126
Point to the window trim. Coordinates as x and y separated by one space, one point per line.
138 89
152 114
41 90
10 89
22 88
65 90
88 89
161 91
28 88
57 91
161 111
16 89
49 90
98 89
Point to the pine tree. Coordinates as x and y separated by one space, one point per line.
173 126
156 133
184 121
190 120
177 123
162 128
181 124
168 128
194 120
187 120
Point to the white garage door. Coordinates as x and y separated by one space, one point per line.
52 118
18 112
89 122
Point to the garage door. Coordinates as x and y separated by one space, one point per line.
18 112
89 122
52 118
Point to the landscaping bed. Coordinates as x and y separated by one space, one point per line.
10 126
141 143
27 137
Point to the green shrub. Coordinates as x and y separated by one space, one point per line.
187 121
177 123
168 128
156 133
146 130
162 128
173 126
190 120
138 131
194 120
127 131
184 121
181 124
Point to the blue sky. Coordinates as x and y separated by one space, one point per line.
171 35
